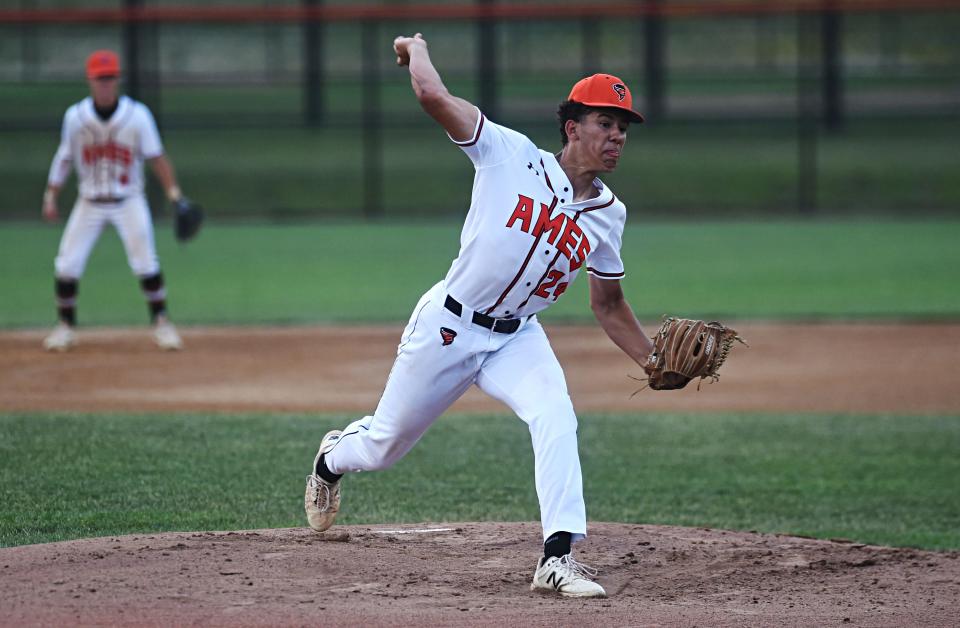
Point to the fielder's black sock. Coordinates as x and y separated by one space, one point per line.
557 545
157 309
67 315
156 294
66 291
326 474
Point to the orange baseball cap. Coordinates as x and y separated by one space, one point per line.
102 63
604 90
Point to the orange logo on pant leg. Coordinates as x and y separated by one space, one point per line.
447 335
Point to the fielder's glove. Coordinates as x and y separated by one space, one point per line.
685 349
188 216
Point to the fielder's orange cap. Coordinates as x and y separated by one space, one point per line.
102 63
604 90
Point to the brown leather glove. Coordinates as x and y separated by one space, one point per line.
685 349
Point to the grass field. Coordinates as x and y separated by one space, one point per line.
346 272
885 480
878 479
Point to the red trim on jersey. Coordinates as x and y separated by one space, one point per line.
523 266
546 177
476 136
607 204
594 271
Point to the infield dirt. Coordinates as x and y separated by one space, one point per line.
474 573
787 368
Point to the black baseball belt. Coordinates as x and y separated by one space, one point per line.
107 200
499 325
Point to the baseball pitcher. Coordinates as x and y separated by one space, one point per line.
536 220
106 139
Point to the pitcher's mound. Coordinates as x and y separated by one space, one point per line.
472 573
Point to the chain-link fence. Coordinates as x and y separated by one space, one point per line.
297 109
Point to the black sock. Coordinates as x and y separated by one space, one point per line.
325 473
67 315
156 295
557 545
66 291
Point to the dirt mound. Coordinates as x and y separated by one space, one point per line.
472 574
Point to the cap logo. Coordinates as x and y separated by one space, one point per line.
621 90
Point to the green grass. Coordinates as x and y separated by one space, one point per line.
321 272
874 479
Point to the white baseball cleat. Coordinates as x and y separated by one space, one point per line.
61 338
166 336
322 499
567 577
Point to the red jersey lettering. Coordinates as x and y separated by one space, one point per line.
583 249
560 289
543 290
547 224
571 235
522 212
111 152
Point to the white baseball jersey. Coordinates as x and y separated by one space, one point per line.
107 154
522 243
524 240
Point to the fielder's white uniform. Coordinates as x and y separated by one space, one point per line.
108 157
523 242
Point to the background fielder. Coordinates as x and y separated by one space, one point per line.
536 219
106 139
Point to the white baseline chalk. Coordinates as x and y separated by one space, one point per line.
421 531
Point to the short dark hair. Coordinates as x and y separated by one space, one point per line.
570 110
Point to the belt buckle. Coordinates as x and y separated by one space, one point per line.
506 325
481 319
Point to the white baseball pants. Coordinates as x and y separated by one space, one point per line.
131 218
519 369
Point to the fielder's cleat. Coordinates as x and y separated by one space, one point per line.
567 577
166 336
60 339
322 499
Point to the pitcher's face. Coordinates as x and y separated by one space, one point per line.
601 136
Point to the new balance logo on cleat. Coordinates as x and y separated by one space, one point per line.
567 577
555 579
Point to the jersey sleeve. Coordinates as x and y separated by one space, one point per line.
491 143
604 262
63 159
150 144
